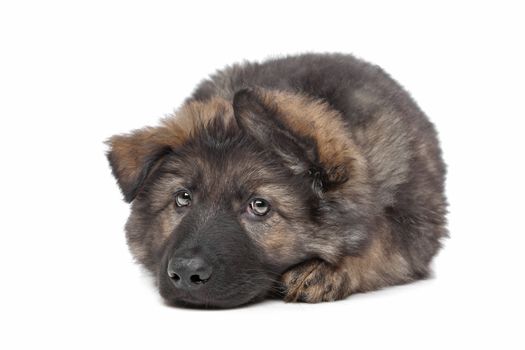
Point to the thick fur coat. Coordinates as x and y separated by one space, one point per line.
308 177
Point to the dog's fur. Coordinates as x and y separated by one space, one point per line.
348 162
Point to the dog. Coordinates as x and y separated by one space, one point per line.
309 178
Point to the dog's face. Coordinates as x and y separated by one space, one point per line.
227 219
220 211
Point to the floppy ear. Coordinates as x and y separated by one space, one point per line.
133 156
260 119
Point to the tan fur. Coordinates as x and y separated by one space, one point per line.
158 234
276 237
325 125
376 267
195 114
283 195
132 150
336 150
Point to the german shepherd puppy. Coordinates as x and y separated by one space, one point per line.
310 177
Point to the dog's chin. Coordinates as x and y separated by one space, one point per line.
230 302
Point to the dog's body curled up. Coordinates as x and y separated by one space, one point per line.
309 177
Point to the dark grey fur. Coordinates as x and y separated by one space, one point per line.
404 205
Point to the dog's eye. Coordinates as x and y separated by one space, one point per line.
182 198
259 207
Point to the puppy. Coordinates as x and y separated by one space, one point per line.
309 177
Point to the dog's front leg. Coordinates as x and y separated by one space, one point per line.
316 280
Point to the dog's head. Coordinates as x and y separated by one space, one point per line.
227 196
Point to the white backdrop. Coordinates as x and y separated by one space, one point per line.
74 73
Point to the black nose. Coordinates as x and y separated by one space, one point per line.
189 273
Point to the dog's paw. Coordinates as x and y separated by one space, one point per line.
315 281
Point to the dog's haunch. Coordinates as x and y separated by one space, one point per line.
308 178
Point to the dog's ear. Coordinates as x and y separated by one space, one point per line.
133 157
259 117
254 116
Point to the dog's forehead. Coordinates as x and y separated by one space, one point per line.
233 169
234 175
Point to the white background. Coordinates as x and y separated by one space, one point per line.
74 73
